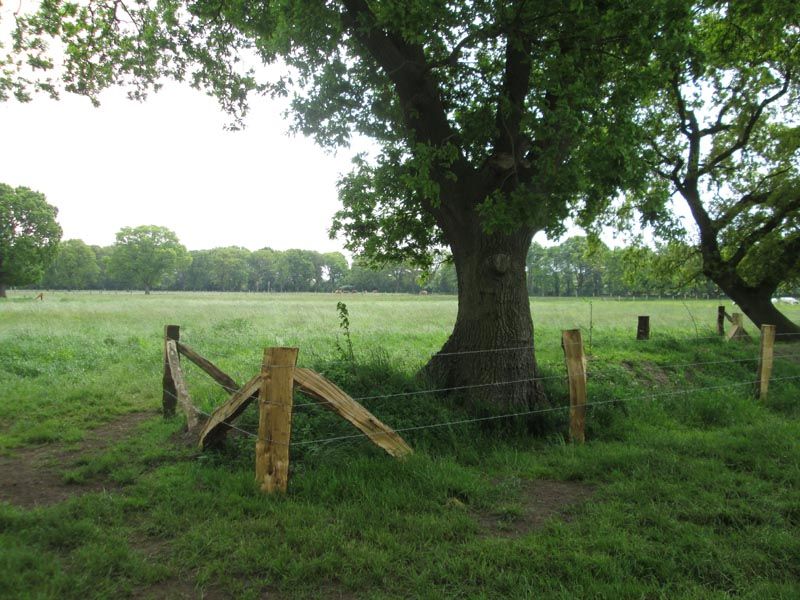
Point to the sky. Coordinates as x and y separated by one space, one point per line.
170 162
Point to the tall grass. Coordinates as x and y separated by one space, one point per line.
696 485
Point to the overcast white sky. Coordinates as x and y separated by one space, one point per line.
169 162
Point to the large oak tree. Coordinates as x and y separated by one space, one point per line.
492 118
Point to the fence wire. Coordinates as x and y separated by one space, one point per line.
632 398
537 411
590 373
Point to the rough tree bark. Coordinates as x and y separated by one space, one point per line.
755 301
491 347
757 305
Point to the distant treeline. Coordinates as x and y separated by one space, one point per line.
575 267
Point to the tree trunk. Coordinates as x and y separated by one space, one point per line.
3 290
490 353
757 305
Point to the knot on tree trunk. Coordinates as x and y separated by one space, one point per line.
500 263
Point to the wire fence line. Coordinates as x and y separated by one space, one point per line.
209 415
666 337
714 362
536 411
591 373
631 398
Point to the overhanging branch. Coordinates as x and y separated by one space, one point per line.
744 136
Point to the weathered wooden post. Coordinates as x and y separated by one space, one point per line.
179 384
572 343
721 320
643 328
169 398
765 360
737 331
275 419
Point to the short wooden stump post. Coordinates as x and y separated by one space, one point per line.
643 328
275 419
572 342
765 361
721 320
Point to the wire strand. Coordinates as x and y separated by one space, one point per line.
530 412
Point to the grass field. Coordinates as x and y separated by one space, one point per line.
687 487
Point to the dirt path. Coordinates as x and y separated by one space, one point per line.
34 476
540 501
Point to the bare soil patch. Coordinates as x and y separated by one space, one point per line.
35 476
539 501
178 589
648 370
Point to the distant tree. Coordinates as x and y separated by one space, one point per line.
145 256
74 268
392 278
196 274
228 269
103 255
262 270
364 277
614 272
405 277
335 269
445 278
581 266
638 270
295 271
535 269
29 236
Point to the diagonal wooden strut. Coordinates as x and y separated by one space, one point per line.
182 393
217 374
216 425
333 398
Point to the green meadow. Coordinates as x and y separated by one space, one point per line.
687 486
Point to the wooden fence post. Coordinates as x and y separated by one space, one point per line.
737 331
185 402
721 320
275 418
169 398
572 343
765 361
643 328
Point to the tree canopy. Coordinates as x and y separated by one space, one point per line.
145 255
529 102
722 134
29 236
74 267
